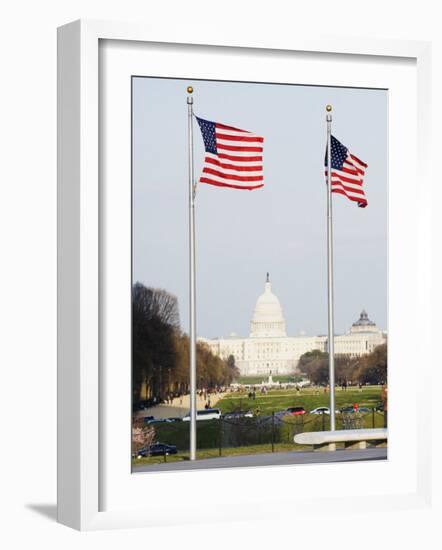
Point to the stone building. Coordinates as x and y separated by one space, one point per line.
268 349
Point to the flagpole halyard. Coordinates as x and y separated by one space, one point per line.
192 285
331 343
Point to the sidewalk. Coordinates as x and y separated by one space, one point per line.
269 459
180 406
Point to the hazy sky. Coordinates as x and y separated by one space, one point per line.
280 228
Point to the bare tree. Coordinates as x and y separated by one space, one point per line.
156 303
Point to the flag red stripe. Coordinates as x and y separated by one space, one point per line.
356 180
355 158
354 169
223 175
220 126
344 178
238 138
348 189
236 148
245 159
233 186
216 162
350 170
362 202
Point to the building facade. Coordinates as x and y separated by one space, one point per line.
268 349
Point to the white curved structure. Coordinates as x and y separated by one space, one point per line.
268 349
267 320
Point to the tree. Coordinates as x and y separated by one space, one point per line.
373 369
155 322
233 369
160 351
143 435
315 365
345 367
370 368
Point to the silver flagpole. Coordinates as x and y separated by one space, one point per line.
331 332
192 292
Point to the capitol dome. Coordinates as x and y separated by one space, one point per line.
267 320
363 324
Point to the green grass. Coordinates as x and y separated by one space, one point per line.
214 453
277 400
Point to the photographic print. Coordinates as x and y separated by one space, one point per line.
259 273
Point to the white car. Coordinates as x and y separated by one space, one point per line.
321 410
205 414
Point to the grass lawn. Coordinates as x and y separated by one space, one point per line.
309 398
214 453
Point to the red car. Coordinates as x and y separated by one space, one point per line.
295 410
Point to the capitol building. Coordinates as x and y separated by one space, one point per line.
268 349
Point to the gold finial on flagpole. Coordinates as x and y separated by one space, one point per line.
189 89
328 108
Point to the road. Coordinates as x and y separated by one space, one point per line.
180 406
270 459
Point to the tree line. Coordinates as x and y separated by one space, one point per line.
367 369
160 350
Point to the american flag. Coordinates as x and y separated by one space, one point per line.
233 156
347 175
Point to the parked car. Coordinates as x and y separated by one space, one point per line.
379 407
159 421
320 410
296 410
174 419
352 409
205 414
323 410
157 449
237 414
148 419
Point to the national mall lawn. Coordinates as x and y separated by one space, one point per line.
309 398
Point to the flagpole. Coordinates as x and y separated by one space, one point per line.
192 290
331 332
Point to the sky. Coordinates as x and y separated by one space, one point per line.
280 228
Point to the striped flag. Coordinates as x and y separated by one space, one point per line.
347 175
233 156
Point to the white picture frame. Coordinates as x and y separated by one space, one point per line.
82 397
